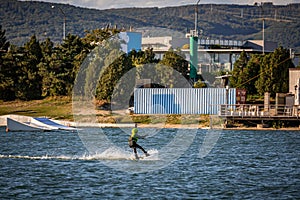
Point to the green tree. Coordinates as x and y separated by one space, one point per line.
200 84
9 71
140 58
63 66
239 75
4 44
114 69
29 81
176 60
281 63
143 61
111 76
274 74
252 74
6 82
45 68
100 50
96 37
245 73
264 82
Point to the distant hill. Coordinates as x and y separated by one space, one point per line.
22 19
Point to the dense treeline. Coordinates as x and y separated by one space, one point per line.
41 69
263 73
22 19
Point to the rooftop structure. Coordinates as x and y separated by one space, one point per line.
213 55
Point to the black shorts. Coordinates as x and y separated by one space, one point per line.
132 144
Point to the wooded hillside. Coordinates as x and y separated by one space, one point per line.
21 20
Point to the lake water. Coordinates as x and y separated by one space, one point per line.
236 165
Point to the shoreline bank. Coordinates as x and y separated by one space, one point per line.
153 125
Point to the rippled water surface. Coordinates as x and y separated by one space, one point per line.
59 165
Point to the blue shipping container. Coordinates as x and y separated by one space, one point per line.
181 100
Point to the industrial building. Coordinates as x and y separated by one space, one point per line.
213 55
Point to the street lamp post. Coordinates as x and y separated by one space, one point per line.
263 25
194 48
196 16
263 30
64 24
225 84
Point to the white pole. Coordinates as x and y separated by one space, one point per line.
64 27
263 32
64 24
196 16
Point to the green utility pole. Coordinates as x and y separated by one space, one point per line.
193 57
194 48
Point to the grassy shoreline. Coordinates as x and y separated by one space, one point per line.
56 108
60 108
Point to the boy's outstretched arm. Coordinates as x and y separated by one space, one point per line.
141 136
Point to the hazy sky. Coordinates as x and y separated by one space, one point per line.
105 4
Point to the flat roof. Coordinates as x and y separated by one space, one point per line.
215 50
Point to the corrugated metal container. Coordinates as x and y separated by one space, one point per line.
181 100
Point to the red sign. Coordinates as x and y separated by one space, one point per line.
241 96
